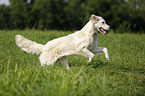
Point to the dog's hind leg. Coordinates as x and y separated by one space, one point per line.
63 60
101 50
46 59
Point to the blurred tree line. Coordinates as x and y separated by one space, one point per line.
72 14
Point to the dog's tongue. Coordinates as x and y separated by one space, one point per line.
103 31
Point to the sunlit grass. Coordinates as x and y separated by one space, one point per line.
124 75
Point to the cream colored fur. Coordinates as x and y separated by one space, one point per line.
83 42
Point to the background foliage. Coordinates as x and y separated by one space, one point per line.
72 14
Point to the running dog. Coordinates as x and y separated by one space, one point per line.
83 42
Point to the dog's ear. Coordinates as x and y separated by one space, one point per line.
94 18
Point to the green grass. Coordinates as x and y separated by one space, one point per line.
124 75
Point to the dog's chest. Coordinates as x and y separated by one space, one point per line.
93 42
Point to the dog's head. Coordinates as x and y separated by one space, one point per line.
99 24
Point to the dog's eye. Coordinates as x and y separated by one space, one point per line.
103 22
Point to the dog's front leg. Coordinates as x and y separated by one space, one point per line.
101 50
87 53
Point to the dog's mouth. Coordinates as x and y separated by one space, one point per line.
102 30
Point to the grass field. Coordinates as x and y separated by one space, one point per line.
124 75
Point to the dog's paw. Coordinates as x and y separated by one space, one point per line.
67 68
108 58
87 61
90 59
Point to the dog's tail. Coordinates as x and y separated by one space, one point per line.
28 45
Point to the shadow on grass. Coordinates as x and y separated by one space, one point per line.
98 64
93 64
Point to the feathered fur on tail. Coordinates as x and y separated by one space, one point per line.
28 45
